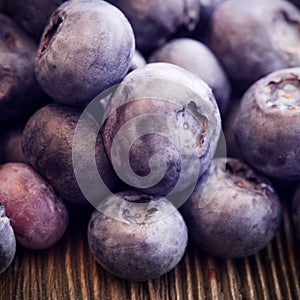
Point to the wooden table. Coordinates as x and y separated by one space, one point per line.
68 271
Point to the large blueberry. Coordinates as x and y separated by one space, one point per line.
38 216
233 212
47 146
198 59
162 127
267 125
254 38
137 236
86 47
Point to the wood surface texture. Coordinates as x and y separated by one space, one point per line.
68 271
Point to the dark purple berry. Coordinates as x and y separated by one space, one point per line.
47 146
254 38
38 216
86 48
267 125
137 236
173 128
233 212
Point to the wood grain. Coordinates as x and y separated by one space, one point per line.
68 271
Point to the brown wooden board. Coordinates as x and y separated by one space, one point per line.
68 271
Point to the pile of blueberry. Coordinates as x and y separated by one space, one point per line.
193 68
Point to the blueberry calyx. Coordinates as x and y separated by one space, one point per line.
50 33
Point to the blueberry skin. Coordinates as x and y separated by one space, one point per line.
153 23
20 92
173 93
255 38
296 211
195 57
267 128
137 241
38 215
31 15
47 146
233 212
86 47
7 241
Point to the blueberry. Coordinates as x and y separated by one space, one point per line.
47 146
296 211
267 125
31 15
86 47
20 94
155 21
233 212
11 143
198 59
38 216
137 241
255 38
7 241
162 127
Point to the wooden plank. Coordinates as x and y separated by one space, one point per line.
68 271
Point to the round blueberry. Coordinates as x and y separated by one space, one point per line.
86 47
47 146
267 125
254 38
161 123
137 236
38 216
233 212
